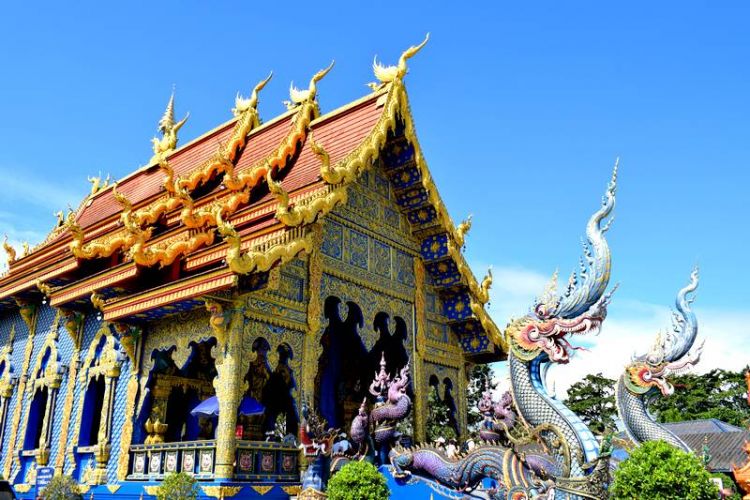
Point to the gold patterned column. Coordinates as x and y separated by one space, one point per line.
74 326
419 340
67 411
126 435
29 314
227 385
314 277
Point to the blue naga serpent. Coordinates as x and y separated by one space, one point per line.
540 339
536 341
647 375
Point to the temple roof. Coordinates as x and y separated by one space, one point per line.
242 198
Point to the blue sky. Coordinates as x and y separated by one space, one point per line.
521 110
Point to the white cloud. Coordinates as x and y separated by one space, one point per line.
19 186
630 327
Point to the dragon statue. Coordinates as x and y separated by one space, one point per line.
392 405
647 375
499 416
536 341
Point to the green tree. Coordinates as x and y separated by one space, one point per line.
593 399
719 394
179 486
438 418
659 471
358 481
61 487
479 379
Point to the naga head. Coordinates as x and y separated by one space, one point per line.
670 354
581 308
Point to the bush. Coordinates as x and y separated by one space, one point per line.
180 486
658 471
358 481
61 488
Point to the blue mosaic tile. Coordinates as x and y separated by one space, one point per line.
443 272
397 153
406 178
358 251
422 216
456 306
434 247
475 343
412 198
333 239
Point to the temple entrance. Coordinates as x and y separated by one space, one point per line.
175 391
342 365
346 367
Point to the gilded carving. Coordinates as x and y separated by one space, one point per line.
420 412
264 256
10 252
219 319
307 110
314 312
221 491
68 405
308 210
168 128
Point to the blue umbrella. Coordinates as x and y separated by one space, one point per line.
210 407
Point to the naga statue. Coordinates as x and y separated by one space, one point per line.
499 416
316 443
536 341
392 405
647 375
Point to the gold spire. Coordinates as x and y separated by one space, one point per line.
168 128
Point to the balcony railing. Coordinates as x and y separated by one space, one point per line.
255 460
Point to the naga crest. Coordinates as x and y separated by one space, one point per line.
581 309
670 354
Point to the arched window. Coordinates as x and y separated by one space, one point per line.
47 375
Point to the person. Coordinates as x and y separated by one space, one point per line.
451 450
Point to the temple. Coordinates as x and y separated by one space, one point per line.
267 261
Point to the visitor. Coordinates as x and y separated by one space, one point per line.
440 443
451 450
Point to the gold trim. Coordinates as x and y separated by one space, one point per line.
262 489
222 491
262 257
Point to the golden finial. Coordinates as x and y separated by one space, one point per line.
462 230
60 218
9 251
388 74
26 248
121 198
168 129
298 97
97 184
242 104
